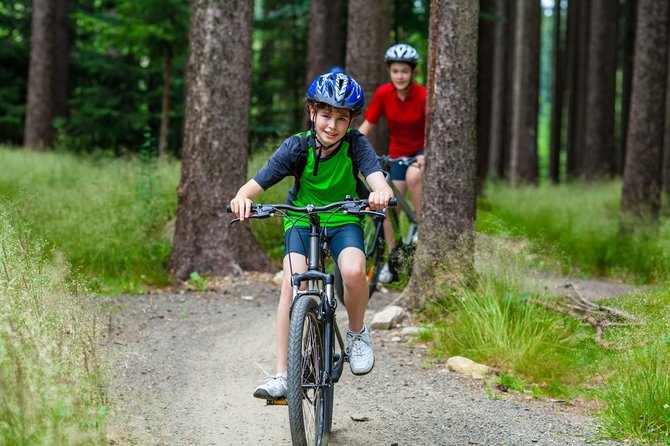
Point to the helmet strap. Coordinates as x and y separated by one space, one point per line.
320 147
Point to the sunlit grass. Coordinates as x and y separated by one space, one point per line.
638 395
51 375
579 224
106 215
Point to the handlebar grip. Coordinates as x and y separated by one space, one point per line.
228 208
393 201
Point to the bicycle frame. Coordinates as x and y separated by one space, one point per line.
314 276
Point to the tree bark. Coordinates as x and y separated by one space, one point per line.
484 87
557 96
326 42
62 47
499 90
367 41
599 156
523 151
214 157
38 131
644 157
628 54
445 253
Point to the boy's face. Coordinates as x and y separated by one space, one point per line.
331 123
401 75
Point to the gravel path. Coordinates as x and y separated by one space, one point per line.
184 370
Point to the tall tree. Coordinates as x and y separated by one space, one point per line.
577 35
326 41
62 47
558 89
214 153
500 90
39 108
627 54
599 156
485 50
367 41
523 151
445 253
644 147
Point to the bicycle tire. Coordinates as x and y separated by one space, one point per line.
306 406
374 244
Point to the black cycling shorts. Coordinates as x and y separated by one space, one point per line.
350 235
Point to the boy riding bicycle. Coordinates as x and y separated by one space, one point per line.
403 103
325 162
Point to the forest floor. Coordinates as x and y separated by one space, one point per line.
184 366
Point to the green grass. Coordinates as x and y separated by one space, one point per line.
106 215
51 373
638 395
578 224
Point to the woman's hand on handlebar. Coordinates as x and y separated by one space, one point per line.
241 207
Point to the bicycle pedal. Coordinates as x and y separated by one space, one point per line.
279 402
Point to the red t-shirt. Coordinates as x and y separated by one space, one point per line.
406 119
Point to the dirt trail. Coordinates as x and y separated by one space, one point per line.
184 367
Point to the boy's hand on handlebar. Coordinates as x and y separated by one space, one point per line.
379 200
241 207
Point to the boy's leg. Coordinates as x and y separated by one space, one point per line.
298 265
351 263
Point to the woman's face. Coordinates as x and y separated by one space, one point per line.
401 75
331 123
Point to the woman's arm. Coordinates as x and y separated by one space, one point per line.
366 127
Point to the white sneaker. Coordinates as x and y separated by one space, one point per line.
359 349
386 275
415 237
274 388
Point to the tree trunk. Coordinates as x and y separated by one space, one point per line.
326 42
665 175
367 41
599 155
484 87
523 150
578 31
558 70
39 108
214 156
644 157
165 102
445 254
628 54
61 71
500 90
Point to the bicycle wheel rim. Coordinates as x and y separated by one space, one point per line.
305 369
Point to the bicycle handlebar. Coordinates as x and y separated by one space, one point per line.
356 207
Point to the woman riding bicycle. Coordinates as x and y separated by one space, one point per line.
325 162
403 103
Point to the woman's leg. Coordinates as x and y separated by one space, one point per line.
388 226
415 185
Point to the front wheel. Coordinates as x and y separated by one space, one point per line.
309 415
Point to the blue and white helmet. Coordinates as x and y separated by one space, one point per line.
337 90
402 53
